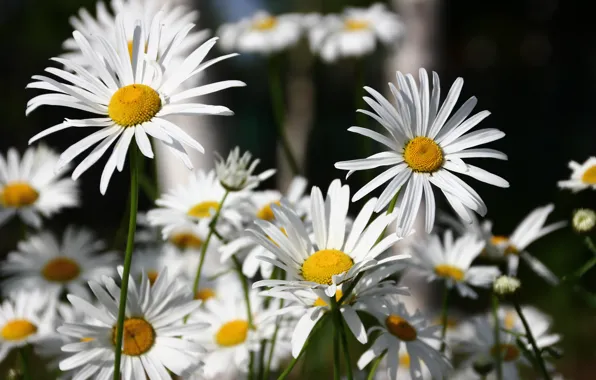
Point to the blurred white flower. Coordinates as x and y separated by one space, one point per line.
583 176
354 33
29 186
236 172
425 148
505 285
261 33
584 220
46 263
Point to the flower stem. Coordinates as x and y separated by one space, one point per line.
392 203
375 365
336 363
292 364
497 333
132 225
444 312
251 365
274 337
340 329
277 102
245 290
24 363
537 354
212 225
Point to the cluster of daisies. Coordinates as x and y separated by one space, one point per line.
231 281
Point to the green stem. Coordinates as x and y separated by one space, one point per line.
375 365
277 100
497 337
537 354
251 366
392 203
132 225
336 363
444 312
260 375
339 326
292 364
24 363
195 285
245 289
590 244
274 337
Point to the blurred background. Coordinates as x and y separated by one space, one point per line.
532 63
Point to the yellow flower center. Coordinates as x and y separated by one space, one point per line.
509 320
509 352
400 328
186 240
449 271
423 155
232 333
203 209
266 213
18 194
133 105
130 44
404 360
322 265
319 301
61 269
589 176
18 329
353 24
152 276
87 339
503 241
204 294
265 23
138 336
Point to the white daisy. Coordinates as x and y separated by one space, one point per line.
30 186
354 33
27 318
43 262
403 361
236 172
152 331
528 231
425 148
261 33
130 98
175 17
583 176
481 229
154 261
316 260
451 261
259 207
398 330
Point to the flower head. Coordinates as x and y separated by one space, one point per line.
505 285
584 220
583 176
236 172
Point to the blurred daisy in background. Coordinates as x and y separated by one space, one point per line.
153 261
57 266
153 327
583 176
426 146
261 33
235 172
528 231
354 33
399 330
30 188
130 98
26 319
451 261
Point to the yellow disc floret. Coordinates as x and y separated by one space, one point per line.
423 155
232 333
17 329
265 23
186 240
133 105
354 24
204 294
589 176
509 352
320 302
400 328
322 265
266 213
204 209
18 194
503 243
138 336
61 269
152 276
449 271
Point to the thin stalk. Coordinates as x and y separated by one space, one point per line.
590 245
245 290
292 364
262 359
212 225
274 337
24 363
277 102
339 326
375 365
132 226
359 103
537 354
497 334
336 363
251 366
444 312
392 203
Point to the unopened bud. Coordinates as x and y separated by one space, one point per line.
584 220
505 285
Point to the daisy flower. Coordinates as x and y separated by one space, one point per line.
152 331
451 261
583 176
333 252
425 148
236 172
154 261
354 33
401 330
29 186
403 361
259 207
175 17
130 98
261 33
528 231
27 318
44 262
